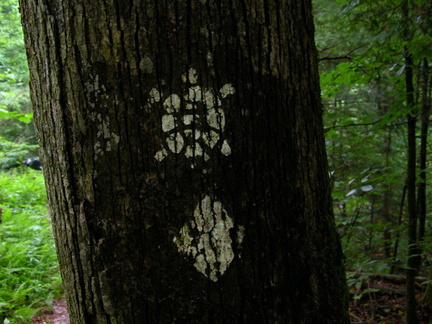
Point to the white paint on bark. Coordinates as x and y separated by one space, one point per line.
107 140
168 123
227 90
194 126
172 103
179 123
226 149
175 142
207 238
160 155
191 76
155 96
211 138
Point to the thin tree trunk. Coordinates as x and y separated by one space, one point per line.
422 202
425 113
398 233
411 199
411 303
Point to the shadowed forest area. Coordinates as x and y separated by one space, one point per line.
376 85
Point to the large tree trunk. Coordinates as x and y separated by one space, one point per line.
184 158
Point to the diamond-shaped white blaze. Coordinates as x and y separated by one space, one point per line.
207 238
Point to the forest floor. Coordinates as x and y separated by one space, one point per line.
56 315
382 301
377 301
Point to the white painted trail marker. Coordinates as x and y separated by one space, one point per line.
206 238
200 105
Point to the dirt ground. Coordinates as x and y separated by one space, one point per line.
377 301
57 315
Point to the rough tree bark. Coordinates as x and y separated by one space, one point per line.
413 248
184 159
424 130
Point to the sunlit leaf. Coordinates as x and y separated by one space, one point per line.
352 192
367 188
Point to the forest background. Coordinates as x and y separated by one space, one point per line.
376 89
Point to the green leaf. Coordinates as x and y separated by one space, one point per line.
26 118
24 312
366 188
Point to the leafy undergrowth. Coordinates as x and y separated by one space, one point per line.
29 274
379 301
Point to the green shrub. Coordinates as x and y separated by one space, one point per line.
29 274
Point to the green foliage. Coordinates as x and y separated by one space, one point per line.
13 65
356 279
13 154
25 118
29 274
15 107
361 46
